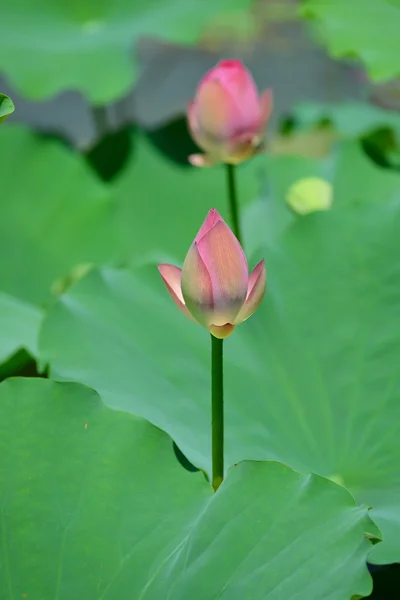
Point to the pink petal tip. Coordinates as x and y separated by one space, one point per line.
255 292
171 276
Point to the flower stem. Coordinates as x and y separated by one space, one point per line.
217 411
233 201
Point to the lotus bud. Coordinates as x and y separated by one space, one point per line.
214 288
228 118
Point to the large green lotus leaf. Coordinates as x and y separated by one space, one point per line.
50 47
368 31
311 379
93 500
19 326
6 107
94 505
54 215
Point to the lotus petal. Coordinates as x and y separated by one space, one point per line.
266 106
172 278
211 219
226 264
256 291
197 287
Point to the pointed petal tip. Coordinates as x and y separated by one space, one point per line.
230 63
171 276
161 266
257 277
212 218
255 293
214 215
168 271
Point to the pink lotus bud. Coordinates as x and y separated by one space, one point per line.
228 117
214 288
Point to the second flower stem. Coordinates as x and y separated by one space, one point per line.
233 200
217 411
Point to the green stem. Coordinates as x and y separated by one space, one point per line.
217 410
233 201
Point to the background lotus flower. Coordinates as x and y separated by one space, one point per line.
228 117
214 288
